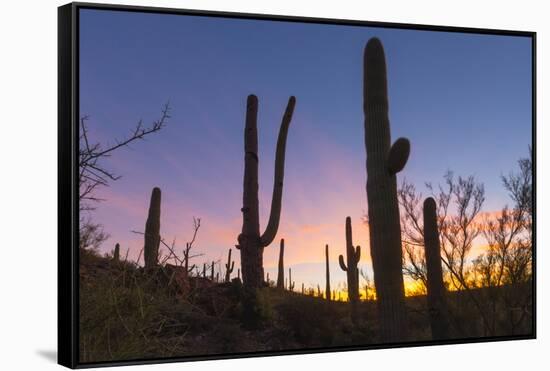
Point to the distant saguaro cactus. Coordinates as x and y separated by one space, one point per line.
353 254
290 282
383 163
281 268
152 231
204 270
437 302
303 288
250 242
212 271
229 267
327 275
116 253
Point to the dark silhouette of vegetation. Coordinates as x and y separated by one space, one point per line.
250 241
353 254
383 163
281 266
437 296
327 276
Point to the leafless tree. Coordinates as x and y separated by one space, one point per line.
92 171
172 254
458 231
91 235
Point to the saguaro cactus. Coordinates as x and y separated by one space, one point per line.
437 303
250 242
353 254
116 253
290 282
152 231
281 270
383 163
229 267
327 275
212 271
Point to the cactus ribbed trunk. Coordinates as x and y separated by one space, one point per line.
353 254
437 302
383 162
327 275
152 231
281 267
250 242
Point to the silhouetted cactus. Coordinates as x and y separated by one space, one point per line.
319 290
212 272
217 276
204 270
116 253
353 254
327 275
250 242
229 267
437 302
290 282
303 288
383 163
281 267
152 231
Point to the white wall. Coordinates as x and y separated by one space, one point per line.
28 61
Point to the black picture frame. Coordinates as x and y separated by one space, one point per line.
68 211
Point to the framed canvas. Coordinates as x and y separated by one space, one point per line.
238 185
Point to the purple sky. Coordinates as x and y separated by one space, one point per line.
463 100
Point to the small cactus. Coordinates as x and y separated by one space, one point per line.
437 303
302 288
212 272
152 230
229 267
353 254
281 268
204 270
327 275
290 282
116 253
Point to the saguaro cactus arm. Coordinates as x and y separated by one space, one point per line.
342 264
398 155
275 214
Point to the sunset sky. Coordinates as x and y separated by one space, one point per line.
463 100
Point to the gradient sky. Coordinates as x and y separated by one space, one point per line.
463 100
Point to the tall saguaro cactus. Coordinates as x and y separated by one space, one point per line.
152 231
281 268
229 267
383 163
327 275
437 303
250 241
353 254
